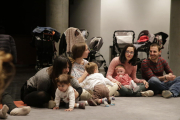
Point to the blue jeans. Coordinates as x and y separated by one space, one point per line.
158 86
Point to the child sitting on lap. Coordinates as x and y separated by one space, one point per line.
96 84
124 79
65 94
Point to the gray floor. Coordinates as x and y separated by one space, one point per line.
126 108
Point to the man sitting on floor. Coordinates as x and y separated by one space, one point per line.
152 71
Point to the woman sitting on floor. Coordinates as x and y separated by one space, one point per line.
79 52
128 60
40 89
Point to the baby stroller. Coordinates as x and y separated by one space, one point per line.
94 46
44 39
120 39
145 39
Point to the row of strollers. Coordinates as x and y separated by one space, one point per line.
44 39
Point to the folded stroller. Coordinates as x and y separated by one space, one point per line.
120 39
44 39
94 56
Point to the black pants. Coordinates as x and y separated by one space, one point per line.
128 92
32 97
7 99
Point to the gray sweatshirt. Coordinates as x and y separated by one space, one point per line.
42 82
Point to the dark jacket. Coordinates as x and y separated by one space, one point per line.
62 44
8 45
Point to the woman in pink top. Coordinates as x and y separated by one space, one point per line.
128 59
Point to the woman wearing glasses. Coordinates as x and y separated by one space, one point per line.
128 60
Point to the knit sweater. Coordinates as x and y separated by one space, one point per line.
150 69
67 97
94 79
130 70
42 82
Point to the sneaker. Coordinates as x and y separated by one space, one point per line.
166 94
82 105
51 104
148 93
21 111
91 102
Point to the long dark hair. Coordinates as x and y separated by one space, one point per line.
57 69
122 57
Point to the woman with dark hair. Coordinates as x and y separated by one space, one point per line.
128 60
39 90
79 52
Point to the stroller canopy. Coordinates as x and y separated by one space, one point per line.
39 30
96 43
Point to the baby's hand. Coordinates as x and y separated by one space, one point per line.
70 109
55 108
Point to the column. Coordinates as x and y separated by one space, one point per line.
174 43
57 16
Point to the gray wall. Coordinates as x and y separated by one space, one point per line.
103 17
86 14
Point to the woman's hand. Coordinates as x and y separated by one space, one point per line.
55 108
146 84
70 109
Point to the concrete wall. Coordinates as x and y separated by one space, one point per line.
174 48
86 14
103 17
57 16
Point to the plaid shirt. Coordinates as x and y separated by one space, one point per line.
150 69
